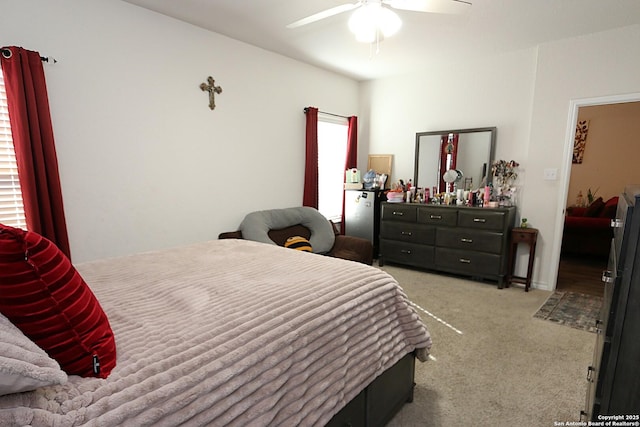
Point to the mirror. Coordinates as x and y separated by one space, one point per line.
467 151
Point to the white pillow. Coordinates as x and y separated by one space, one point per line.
23 365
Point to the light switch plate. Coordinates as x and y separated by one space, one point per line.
550 174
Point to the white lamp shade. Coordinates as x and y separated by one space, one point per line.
371 21
389 22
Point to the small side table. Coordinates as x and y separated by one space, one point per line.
528 236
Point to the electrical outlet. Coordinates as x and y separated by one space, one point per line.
550 174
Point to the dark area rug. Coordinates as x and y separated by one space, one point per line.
572 309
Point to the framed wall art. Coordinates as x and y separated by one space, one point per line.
580 142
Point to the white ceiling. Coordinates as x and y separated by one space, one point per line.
425 39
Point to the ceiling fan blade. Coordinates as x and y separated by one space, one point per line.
324 14
432 6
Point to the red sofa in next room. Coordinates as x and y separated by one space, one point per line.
587 230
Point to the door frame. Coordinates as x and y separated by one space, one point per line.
574 107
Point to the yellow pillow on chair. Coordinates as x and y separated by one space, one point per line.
299 243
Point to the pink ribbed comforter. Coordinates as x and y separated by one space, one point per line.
232 333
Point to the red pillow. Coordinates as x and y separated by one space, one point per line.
44 296
595 207
610 208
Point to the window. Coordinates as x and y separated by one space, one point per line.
11 206
332 155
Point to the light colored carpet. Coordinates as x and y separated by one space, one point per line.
506 368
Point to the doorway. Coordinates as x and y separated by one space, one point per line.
614 137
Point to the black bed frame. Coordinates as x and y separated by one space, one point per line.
381 400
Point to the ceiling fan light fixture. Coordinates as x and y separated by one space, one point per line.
389 22
372 22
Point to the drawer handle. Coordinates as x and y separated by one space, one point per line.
406 251
435 216
463 240
406 233
398 213
465 261
482 220
590 371
607 276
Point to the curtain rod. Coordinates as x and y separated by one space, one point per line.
324 112
7 54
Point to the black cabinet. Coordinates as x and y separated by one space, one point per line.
456 239
614 375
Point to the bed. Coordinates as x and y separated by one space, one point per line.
237 333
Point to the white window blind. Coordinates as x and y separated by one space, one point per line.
11 206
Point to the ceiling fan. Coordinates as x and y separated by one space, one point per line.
376 16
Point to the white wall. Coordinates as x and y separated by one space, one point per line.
527 96
496 92
144 163
597 66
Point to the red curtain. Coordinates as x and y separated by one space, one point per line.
445 149
352 143
34 144
310 195
352 154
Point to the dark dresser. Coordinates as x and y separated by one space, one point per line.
456 239
614 375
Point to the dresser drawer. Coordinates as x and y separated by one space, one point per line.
438 216
483 219
460 238
399 212
467 262
405 232
407 253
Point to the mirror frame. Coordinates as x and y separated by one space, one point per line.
492 148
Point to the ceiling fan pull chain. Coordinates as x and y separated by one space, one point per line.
377 46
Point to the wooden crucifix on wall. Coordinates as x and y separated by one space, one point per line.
212 89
